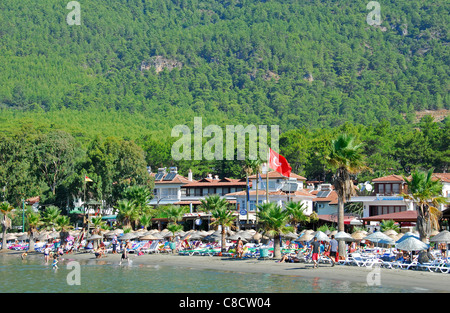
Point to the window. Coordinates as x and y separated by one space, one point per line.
380 188
395 188
387 188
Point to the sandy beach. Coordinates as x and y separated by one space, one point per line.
419 280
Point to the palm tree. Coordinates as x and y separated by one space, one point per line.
174 215
222 215
426 194
273 220
98 223
34 221
49 217
126 212
140 196
347 159
145 220
388 225
6 210
296 212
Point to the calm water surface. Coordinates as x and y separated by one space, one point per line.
33 275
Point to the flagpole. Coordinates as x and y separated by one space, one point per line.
267 175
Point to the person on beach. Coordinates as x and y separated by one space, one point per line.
46 253
126 246
315 245
114 244
240 248
55 262
333 248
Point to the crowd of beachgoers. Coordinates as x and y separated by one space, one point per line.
385 249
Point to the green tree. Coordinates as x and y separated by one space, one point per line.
7 214
55 157
50 216
426 194
126 213
296 211
34 221
218 207
346 158
389 225
273 219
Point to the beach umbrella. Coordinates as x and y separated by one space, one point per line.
54 234
358 235
196 236
289 235
11 237
110 234
390 232
44 236
321 236
236 237
343 236
212 237
411 244
245 234
443 236
334 232
94 237
257 236
23 237
406 236
378 236
150 237
127 236
304 237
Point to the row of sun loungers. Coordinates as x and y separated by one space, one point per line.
370 260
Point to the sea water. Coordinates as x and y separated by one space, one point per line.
33 275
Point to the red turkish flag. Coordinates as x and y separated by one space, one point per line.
279 163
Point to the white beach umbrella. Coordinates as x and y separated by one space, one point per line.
443 236
127 236
321 236
378 236
343 236
411 244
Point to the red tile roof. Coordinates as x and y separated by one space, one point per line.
443 177
332 197
395 178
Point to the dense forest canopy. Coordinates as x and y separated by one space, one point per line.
134 69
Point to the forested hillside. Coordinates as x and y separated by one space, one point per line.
290 63
134 69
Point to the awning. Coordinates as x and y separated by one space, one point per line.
404 216
187 202
109 217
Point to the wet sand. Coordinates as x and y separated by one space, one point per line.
418 280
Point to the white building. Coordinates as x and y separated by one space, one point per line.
168 186
387 200
281 190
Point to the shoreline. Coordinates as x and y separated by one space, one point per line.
423 281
